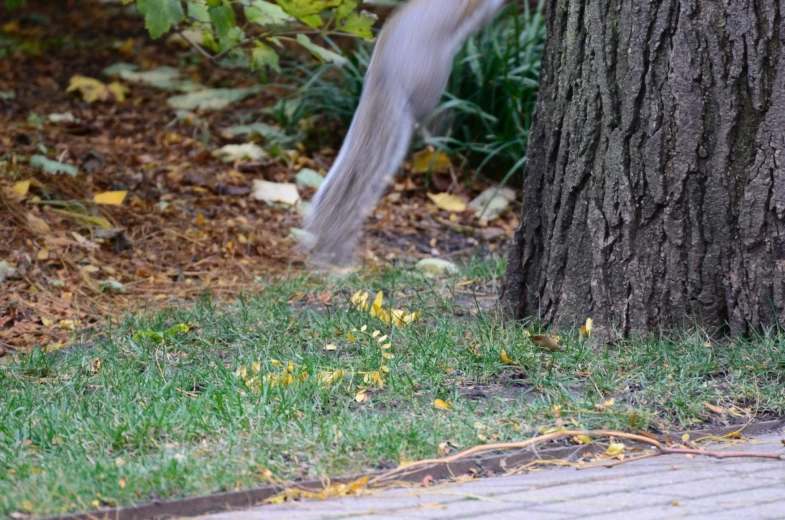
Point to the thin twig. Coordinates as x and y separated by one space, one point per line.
661 450
722 454
198 47
610 464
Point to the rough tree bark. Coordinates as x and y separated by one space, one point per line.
654 195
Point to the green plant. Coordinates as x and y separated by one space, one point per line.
252 31
492 93
487 107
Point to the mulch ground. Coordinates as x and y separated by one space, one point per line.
188 223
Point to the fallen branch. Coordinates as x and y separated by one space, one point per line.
506 446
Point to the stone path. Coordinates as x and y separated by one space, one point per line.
658 488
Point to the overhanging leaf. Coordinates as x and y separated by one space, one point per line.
160 15
320 52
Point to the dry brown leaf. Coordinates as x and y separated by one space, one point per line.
546 342
38 225
715 409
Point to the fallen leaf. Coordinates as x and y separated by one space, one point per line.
22 187
285 193
435 267
582 439
448 202
715 409
492 202
93 90
41 162
586 329
546 342
430 160
211 98
237 152
615 449
113 198
38 225
506 360
111 286
442 404
270 134
309 178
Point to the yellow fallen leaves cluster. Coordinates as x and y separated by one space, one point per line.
93 90
289 374
396 317
374 378
353 488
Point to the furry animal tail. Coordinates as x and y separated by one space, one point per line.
409 69
373 150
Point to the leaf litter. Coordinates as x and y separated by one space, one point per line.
111 200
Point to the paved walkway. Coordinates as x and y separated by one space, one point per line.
670 486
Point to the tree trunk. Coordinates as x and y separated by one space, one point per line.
654 195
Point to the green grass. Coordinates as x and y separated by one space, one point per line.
128 418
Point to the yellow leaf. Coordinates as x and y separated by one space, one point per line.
615 449
46 322
93 90
68 324
582 439
360 300
119 90
376 308
685 437
113 198
257 367
275 363
384 316
22 187
330 347
448 202
122 482
361 397
589 325
351 336
401 318
506 360
442 405
43 254
429 160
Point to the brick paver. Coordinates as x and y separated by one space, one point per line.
658 488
